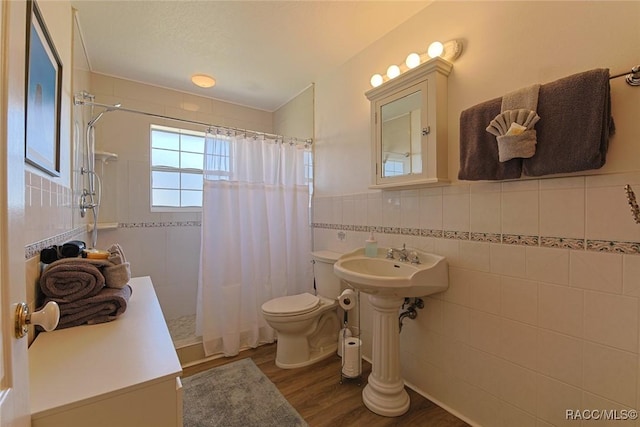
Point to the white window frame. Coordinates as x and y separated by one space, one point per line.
179 131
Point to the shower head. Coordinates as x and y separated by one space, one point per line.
93 121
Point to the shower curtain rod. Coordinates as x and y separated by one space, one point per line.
194 122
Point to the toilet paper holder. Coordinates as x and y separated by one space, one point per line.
351 345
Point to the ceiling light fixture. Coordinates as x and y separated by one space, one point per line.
203 80
448 51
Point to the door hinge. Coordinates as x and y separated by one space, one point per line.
426 131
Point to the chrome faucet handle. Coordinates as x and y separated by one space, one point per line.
414 258
390 253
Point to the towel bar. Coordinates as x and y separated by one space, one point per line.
631 198
632 78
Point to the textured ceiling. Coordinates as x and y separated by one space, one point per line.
262 53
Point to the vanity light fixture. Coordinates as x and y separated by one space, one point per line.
448 51
203 80
393 71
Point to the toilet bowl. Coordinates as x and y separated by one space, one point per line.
307 325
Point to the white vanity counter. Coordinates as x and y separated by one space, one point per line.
121 373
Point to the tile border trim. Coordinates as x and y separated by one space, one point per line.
611 246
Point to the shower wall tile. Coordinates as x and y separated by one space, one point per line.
610 373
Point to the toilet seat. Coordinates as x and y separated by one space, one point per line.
291 305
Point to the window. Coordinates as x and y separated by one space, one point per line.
393 168
176 168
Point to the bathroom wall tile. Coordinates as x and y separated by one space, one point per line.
138 192
455 321
591 401
482 407
360 209
547 265
336 210
608 216
610 373
484 331
485 208
512 416
321 209
348 207
480 369
560 356
431 208
518 386
604 315
631 275
554 398
562 207
455 208
518 343
561 309
410 209
508 260
475 255
520 208
448 248
374 209
596 271
459 290
519 299
391 208
485 292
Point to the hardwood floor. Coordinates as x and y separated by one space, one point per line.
316 393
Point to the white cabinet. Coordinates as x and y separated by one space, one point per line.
409 128
124 373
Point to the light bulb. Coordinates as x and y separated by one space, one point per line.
435 49
393 71
413 60
376 80
203 80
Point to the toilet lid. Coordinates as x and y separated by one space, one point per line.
293 304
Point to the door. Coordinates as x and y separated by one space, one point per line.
14 382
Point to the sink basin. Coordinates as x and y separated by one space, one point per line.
391 277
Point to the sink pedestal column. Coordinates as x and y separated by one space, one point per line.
385 394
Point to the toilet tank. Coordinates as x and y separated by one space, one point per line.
327 283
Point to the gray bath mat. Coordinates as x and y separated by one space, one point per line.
236 394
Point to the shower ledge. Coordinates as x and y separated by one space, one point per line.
105 156
103 226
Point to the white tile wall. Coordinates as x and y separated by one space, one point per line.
525 331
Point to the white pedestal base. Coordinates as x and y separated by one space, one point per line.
385 394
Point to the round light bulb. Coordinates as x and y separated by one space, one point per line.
203 80
376 80
413 60
435 49
393 71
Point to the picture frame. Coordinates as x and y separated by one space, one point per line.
42 95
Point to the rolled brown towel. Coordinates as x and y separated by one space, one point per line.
106 306
70 281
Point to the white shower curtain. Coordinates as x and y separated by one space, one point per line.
256 237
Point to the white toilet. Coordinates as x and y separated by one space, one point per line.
307 325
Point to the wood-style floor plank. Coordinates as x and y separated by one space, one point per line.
316 393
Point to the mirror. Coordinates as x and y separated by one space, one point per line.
401 139
409 127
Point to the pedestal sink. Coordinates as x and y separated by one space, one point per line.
387 282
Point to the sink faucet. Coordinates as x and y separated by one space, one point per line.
403 255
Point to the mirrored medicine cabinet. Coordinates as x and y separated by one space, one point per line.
409 127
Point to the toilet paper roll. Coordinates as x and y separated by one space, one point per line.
344 333
347 299
351 361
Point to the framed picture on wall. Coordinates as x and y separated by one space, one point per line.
43 95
